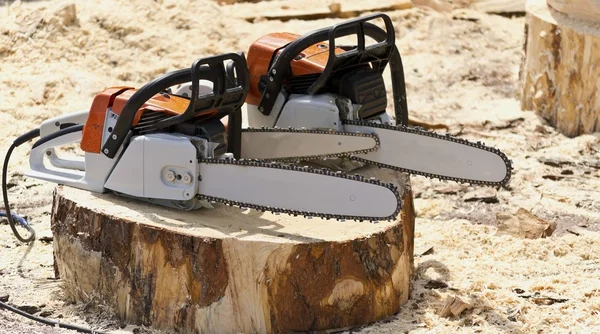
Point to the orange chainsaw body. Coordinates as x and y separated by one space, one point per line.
115 98
310 61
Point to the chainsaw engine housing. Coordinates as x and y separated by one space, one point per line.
145 143
309 81
363 85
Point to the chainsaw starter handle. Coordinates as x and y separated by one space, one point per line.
225 96
279 68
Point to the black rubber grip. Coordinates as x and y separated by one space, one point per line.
53 135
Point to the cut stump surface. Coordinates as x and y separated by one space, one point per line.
230 271
588 10
560 70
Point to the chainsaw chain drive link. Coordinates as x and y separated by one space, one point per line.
421 131
295 213
323 131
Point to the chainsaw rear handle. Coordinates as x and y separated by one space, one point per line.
227 95
59 123
279 69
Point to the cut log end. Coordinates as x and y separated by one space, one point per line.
560 69
223 270
587 10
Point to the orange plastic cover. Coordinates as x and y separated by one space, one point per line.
115 98
313 59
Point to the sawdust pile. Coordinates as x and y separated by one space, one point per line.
461 71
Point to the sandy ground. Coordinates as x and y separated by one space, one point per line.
461 70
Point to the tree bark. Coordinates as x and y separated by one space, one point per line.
226 270
560 69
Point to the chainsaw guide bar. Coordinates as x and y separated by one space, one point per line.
328 135
361 199
447 137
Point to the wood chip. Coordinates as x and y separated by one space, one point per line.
592 162
580 231
46 239
524 224
31 309
453 306
435 284
427 125
556 177
541 129
424 251
554 161
449 189
539 299
485 195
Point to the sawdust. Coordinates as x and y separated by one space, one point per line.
461 70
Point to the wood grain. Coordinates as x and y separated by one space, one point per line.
229 271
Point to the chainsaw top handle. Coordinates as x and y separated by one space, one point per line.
381 54
228 94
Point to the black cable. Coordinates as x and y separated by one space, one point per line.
10 216
65 129
48 322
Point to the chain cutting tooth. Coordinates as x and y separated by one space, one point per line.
448 137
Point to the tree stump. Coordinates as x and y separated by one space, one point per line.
587 10
226 270
560 69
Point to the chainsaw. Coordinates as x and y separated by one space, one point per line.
307 81
188 149
180 151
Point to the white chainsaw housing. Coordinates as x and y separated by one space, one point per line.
53 125
299 111
159 165
312 112
161 168
303 111
88 173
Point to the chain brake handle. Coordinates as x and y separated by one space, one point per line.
227 96
280 66
378 53
279 69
